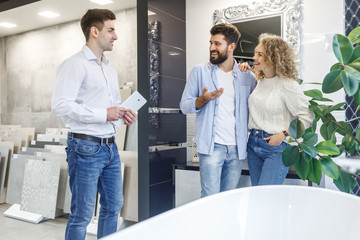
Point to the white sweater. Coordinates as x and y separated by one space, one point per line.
275 102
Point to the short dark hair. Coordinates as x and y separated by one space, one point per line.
95 17
230 32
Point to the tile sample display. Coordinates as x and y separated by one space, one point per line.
40 188
16 177
32 150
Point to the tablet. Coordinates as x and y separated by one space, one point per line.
134 102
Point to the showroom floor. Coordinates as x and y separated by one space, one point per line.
13 229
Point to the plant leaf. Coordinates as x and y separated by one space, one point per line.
337 106
345 182
355 65
315 173
302 168
327 129
352 71
296 129
354 35
327 147
355 56
314 93
344 125
336 66
290 155
357 97
349 143
342 47
351 85
310 138
329 167
311 150
332 82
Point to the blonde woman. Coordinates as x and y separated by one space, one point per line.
274 103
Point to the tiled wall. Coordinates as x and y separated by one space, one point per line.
172 68
171 77
28 68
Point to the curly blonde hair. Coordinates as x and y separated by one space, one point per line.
279 54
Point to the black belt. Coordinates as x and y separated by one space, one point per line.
92 138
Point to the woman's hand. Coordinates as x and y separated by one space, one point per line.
275 139
244 66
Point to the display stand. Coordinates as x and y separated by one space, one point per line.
15 212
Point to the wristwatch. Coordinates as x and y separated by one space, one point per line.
285 133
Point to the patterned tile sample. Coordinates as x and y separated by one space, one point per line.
16 177
60 159
40 188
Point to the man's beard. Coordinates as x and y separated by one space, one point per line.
221 57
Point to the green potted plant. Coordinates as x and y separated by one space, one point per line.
310 157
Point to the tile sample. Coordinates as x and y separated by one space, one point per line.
40 188
60 159
4 158
16 177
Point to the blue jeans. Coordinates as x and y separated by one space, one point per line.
220 171
93 167
265 161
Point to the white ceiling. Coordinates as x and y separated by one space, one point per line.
26 17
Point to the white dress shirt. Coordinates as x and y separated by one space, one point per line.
275 102
84 89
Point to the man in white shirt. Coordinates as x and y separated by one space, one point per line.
87 97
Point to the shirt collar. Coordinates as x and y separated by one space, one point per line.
91 56
214 67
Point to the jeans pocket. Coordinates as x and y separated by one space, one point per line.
87 148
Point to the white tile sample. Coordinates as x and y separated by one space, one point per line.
40 188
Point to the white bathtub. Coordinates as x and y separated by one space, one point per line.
265 212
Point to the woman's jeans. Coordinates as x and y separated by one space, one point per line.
265 161
220 171
93 167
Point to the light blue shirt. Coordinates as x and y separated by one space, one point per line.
204 75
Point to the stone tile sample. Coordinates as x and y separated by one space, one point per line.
16 177
40 188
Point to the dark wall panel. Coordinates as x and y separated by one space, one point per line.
175 8
172 62
172 30
172 129
161 198
173 85
161 164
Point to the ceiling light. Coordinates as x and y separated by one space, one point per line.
150 13
7 25
48 14
102 2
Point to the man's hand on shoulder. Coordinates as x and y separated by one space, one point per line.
207 96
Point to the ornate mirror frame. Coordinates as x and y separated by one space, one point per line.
289 10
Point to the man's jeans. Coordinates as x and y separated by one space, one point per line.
265 161
220 171
93 167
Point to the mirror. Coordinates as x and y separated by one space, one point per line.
279 17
